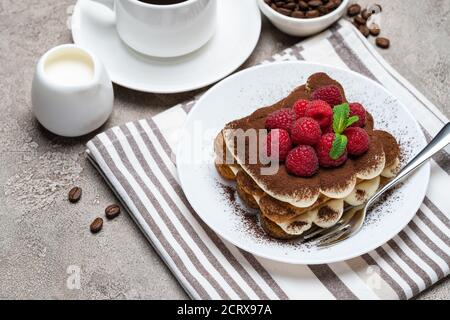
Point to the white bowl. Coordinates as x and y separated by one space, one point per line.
69 108
302 27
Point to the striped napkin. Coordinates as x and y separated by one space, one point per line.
136 159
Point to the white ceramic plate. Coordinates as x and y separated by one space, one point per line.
237 34
246 91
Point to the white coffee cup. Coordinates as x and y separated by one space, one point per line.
164 30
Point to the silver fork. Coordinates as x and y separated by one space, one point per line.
353 219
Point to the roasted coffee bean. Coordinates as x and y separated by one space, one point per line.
353 10
324 10
75 194
331 5
315 3
383 43
285 12
112 211
359 20
290 5
298 14
374 30
364 30
96 225
312 14
366 14
303 8
303 5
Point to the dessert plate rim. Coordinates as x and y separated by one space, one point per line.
184 174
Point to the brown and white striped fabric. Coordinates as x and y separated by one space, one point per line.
137 161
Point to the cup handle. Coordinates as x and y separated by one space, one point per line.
107 3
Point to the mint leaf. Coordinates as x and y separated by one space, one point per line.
351 121
340 116
339 145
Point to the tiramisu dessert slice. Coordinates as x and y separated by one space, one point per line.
327 155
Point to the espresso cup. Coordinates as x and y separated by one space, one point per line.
164 30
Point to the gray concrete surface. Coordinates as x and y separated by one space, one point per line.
41 234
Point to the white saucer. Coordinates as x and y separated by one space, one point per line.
237 34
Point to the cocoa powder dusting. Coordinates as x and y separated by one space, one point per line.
248 219
249 223
371 159
360 194
297 224
390 146
230 193
327 214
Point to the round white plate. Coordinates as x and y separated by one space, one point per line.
238 30
246 91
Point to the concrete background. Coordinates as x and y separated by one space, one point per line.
41 234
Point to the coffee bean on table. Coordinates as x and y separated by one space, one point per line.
112 211
96 225
374 30
383 43
366 14
353 10
75 194
359 20
364 30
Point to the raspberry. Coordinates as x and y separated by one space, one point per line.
281 119
328 129
321 112
356 109
302 161
329 94
323 149
358 141
305 131
300 108
278 140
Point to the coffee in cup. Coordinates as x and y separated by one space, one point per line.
162 2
